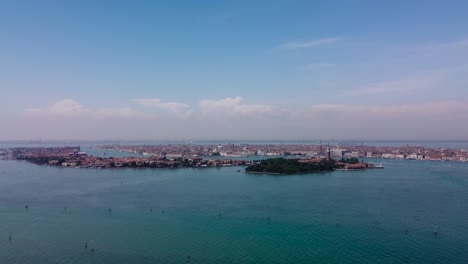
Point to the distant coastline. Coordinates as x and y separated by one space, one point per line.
318 150
75 158
226 155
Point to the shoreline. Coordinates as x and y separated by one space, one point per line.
276 173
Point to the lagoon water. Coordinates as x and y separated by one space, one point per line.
224 216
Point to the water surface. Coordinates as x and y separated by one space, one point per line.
219 215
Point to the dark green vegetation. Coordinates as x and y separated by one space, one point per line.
287 153
290 166
350 160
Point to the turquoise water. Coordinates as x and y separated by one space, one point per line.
221 215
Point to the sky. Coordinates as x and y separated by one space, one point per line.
165 70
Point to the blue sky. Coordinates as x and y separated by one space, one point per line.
233 69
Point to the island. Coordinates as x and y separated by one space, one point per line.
291 166
301 165
75 158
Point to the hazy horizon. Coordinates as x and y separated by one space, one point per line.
324 141
244 70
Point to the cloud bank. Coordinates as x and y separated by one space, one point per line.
69 108
233 106
235 118
180 109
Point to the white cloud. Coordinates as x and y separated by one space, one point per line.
233 106
69 108
180 109
65 107
307 44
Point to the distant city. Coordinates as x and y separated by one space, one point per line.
220 155
318 150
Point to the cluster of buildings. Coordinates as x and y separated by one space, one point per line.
404 152
38 153
200 156
225 150
317 150
184 150
73 157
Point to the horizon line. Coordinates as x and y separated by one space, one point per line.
237 140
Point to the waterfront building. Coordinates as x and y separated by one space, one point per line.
338 153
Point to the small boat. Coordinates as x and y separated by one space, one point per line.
378 166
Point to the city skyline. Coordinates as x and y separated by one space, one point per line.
245 70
